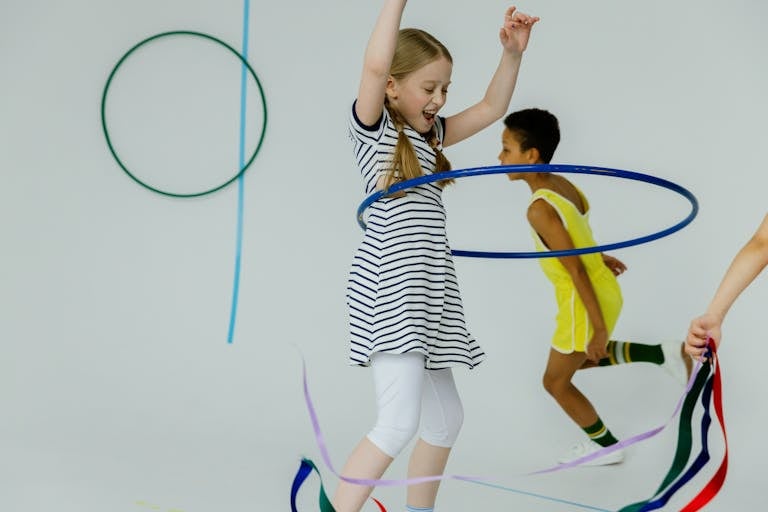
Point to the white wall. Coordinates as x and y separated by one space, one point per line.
118 389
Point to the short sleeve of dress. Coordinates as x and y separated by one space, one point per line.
373 146
363 134
440 128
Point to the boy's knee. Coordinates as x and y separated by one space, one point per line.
553 384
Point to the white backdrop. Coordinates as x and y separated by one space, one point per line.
118 388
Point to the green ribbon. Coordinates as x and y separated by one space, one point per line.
684 438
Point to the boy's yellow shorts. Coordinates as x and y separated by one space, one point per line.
574 328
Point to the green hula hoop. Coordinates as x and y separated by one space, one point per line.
106 130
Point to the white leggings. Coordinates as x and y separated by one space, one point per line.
405 392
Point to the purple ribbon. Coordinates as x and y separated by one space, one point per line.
478 479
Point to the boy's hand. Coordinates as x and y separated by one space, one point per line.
614 265
516 30
596 348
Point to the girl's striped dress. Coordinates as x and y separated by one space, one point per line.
403 295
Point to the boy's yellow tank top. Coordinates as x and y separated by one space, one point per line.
574 328
577 226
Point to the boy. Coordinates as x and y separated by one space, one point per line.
587 291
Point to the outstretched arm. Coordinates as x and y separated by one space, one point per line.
514 37
377 62
545 220
745 267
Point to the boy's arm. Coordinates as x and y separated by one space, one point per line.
545 220
745 267
377 62
514 35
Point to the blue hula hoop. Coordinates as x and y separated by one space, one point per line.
574 169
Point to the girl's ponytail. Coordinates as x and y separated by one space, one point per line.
441 162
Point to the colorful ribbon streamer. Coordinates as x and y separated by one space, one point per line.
683 451
412 481
716 483
305 468
699 385
710 388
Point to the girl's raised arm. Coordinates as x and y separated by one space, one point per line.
514 37
377 62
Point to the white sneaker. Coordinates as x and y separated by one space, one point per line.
589 447
674 361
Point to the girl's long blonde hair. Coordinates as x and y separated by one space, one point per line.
415 49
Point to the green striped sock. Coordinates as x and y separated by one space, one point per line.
600 434
622 352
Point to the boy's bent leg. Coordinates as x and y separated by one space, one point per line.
625 352
668 355
557 381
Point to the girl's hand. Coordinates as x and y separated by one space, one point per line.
614 265
701 329
516 30
596 348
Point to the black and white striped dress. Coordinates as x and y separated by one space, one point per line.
403 295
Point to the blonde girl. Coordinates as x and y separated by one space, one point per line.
406 317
